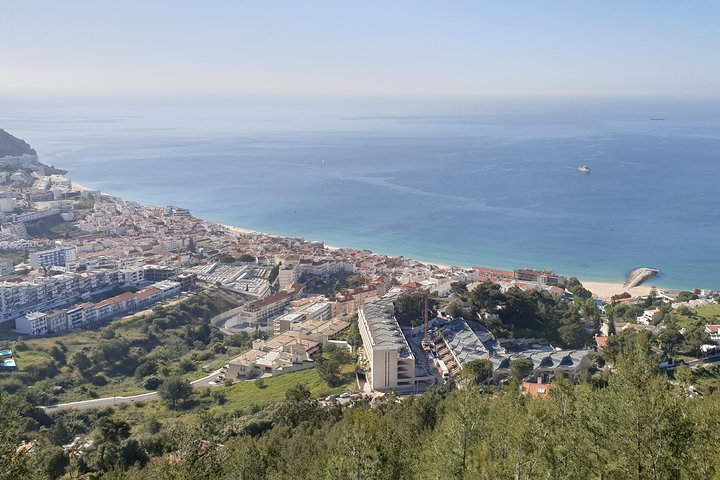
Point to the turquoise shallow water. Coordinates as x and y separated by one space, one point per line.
470 183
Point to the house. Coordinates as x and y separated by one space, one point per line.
650 317
537 389
714 331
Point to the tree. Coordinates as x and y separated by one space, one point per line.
487 297
111 433
478 371
684 375
670 340
174 389
695 337
648 430
455 310
686 296
58 355
298 393
410 307
132 454
13 461
521 367
576 288
81 361
611 326
274 273
152 383
624 342
328 368
459 289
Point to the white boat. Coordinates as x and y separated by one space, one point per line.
584 169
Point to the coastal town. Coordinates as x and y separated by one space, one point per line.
79 258
359 240
374 328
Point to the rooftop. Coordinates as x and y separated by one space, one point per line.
464 343
383 327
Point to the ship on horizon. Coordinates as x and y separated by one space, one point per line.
584 169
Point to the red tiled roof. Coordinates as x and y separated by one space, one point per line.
537 389
148 292
117 299
274 298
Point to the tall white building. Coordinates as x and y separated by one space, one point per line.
392 362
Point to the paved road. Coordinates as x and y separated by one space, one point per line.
709 359
110 401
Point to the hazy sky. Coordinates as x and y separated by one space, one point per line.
416 47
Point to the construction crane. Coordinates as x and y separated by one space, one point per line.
426 343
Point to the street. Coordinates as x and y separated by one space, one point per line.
111 401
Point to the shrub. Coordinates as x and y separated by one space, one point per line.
152 383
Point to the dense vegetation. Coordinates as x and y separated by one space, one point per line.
53 228
333 284
410 308
127 356
631 423
531 313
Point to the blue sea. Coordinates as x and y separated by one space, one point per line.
466 182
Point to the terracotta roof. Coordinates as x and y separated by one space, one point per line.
148 292
274 298
537 389
117 299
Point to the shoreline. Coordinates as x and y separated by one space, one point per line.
603 289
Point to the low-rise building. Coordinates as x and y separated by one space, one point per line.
543 277
649 317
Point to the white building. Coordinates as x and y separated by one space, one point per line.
34 323
6 267
390 358
8 205
59 256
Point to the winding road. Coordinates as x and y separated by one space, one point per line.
111 401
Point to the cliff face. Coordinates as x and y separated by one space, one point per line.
14 147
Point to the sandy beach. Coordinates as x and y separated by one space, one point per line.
241 231
605 290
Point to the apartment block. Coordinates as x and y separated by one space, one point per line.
389 356
56 257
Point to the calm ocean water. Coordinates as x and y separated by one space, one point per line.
468 183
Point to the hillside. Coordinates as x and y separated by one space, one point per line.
11 146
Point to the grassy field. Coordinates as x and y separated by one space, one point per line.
706 314
242 397
709 312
